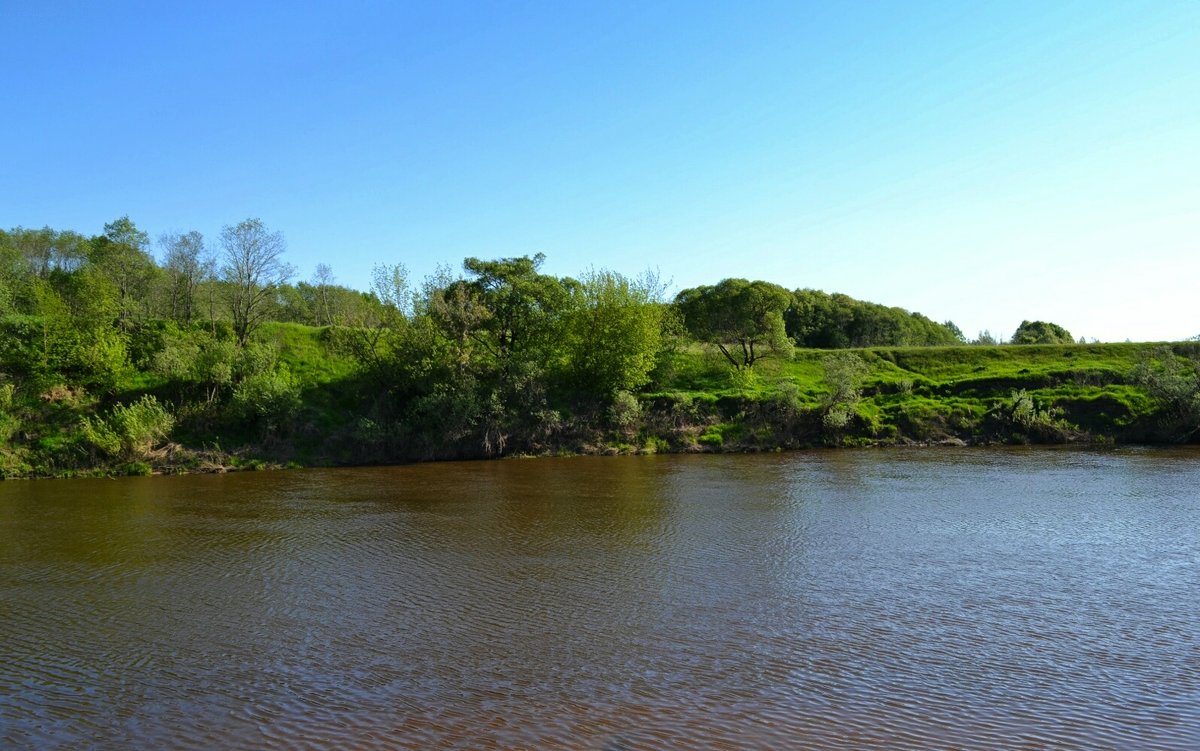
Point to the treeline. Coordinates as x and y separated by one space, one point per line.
111 354
85 308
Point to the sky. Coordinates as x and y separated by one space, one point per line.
981 162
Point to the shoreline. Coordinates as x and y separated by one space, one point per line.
235 464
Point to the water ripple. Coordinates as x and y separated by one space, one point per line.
848 600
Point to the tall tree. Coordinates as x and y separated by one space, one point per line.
253 267
524 305
187 265
120 254
323 280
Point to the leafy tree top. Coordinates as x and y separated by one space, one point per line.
1041 332
737 314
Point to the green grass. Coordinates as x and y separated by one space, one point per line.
924 392
307 357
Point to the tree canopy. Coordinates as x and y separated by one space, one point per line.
741 318
1041 332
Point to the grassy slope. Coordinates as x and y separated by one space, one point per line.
932 392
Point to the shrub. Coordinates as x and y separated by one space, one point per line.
1034 421
1174 385
624 411
6 396
130 432
270 399
838 416
844 375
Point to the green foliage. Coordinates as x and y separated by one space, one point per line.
1040 332
1173 383
504 358
130 432
823 321
252 269
742 319
1033 421
269 399
624 411
712 437
844 373
524 307
614 333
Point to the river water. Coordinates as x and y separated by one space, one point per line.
896 599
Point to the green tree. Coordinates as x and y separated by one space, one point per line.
1174 384
742 319
120 254
187 265
524 306
816 319
253 267
955 331
323 280
1041 332
615 332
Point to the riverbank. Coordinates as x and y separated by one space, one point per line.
326 413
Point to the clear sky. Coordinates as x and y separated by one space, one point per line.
980 162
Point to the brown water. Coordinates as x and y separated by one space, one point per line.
894 599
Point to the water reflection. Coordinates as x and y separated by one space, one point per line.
899 599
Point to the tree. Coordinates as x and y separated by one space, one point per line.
1040 332
253 268
743 319
959 336
120 254
187 265
457 310
323 279
523 305
615 332
816 319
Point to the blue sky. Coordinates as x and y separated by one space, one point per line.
980 162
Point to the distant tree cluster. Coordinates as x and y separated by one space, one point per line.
745 320
1041 332
823 321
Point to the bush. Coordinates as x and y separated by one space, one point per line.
1174 385
624 411
130 432
1041 332
270 399
844 375
1034 422
838 416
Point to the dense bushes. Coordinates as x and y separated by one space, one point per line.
130 432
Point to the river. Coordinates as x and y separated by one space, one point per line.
890 599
